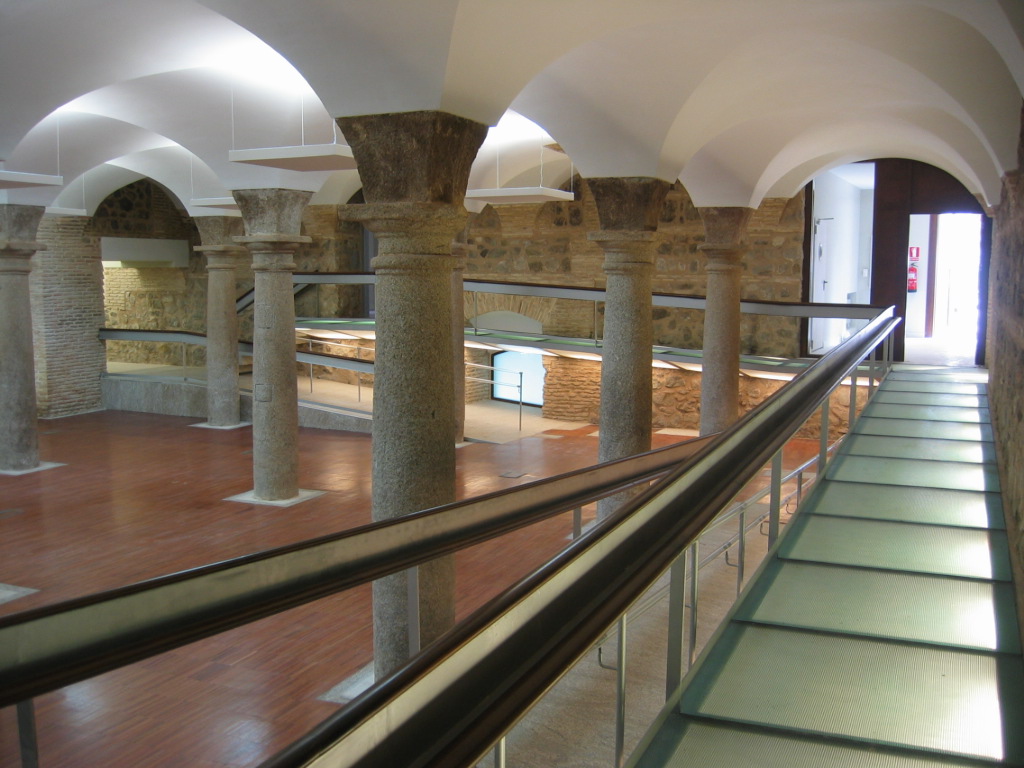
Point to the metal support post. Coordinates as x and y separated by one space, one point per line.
741 551
499 753
694 556
620 696
676 617
823 440
27 734
577 523
775 508
853 399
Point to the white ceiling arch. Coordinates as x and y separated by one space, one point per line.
644 88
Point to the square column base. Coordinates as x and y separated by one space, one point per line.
208 425
249 497
42 465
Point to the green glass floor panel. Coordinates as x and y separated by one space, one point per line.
953 475
683 742
958 377
940 430
971 553
886 604
931 398
927 506
950 387
879 410
954 701
974 452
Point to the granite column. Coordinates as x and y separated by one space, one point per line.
273 219
414 167
724 229
222 396
19 435
628 209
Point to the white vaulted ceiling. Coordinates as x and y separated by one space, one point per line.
740 99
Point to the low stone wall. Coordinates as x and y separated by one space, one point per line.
572 392
180 398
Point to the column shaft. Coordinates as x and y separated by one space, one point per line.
19 439
459 350
719 390
724 228
625 415
221 337
275 419
414 409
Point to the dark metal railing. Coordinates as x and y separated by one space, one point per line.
455 699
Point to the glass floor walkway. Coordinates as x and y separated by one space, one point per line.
883 630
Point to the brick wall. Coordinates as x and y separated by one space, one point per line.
67 310
572 392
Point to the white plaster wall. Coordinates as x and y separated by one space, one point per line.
836 272
917 303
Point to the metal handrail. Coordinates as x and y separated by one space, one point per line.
678 300
53 646
461 694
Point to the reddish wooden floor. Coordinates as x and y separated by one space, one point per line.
141 496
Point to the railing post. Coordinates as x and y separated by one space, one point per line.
620 696
676 617
853 398
775 507
694 572
27 734
577 523
741 546
823 439
499 753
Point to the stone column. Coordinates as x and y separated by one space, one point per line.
414 167
273 218
19 436
459 348
221 336
221 321
720 379
628 210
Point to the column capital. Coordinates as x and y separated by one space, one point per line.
271 210
628 203
19 249
425 229
724 226
221 256
421 156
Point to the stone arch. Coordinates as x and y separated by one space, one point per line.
536 308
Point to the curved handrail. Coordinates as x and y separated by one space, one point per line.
52 646
462 693
678 300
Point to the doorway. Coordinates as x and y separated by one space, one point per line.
943 291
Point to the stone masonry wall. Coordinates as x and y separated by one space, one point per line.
1006 361
547 243
151 298
67 309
